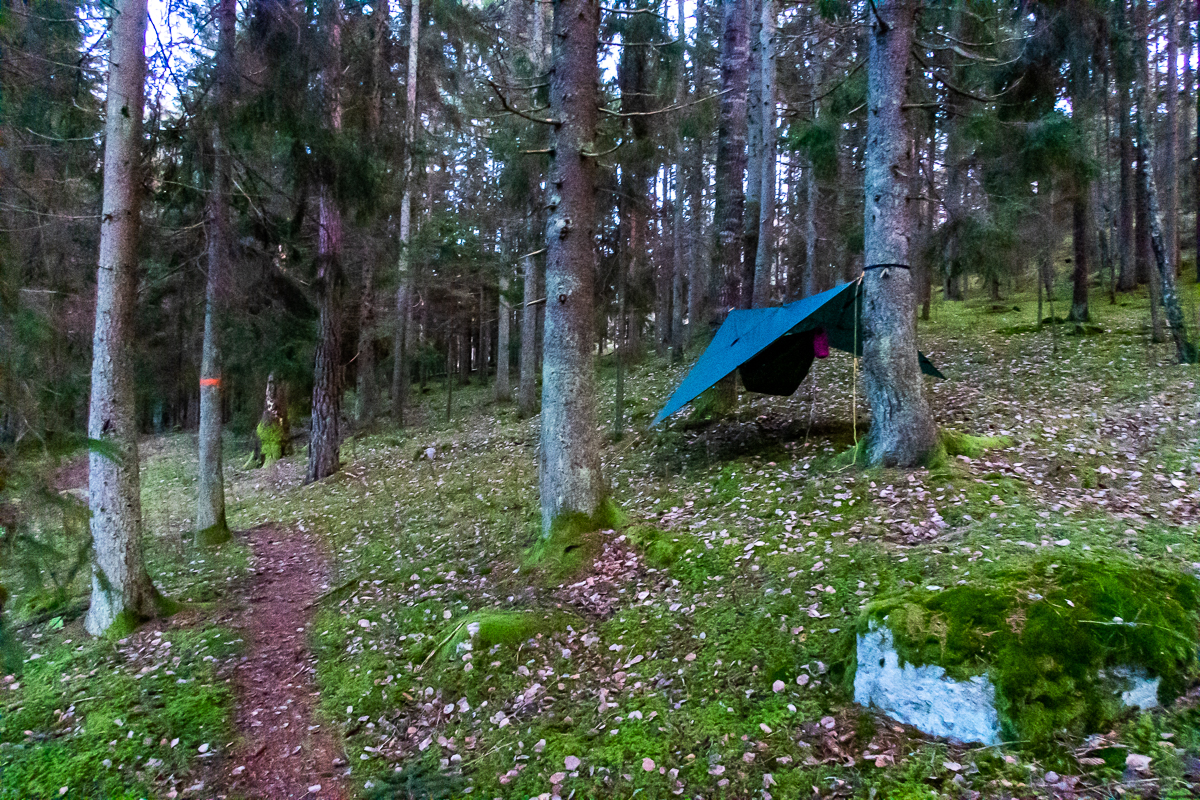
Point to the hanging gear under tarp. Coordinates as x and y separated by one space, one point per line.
773 348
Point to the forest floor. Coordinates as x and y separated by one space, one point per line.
701 653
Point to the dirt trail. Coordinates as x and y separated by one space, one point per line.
285 755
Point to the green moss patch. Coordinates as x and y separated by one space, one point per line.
660 548
213 535
573 542
272 439
964 444
1047 636
486 629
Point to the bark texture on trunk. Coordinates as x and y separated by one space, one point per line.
731 154
902 431
754 150
1142 253
678 262
325 439
527 400
700 261
366 387
929 214
1080 240
1127 276
1170 201
569 459
274 431
122 594
404 289
503 382
679 237
1185 351
211 526
765 243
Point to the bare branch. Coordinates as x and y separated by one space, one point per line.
615 43
665 110
523 115
612 149
883 26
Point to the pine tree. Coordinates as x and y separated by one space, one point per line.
902 431
404 289
765 241
366 389
569 463
211 527
731 152
325 439
122 593
1185 350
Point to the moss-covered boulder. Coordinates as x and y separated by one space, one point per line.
1060 649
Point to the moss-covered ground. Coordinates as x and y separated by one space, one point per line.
703 651
143 716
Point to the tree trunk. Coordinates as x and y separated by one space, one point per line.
1143 254
1127 278
366 389
754 151
404 290
464 351
954 204
1080 236
1170 203
325 438
122 594
485 339
527 402
700 261
916 216
902 431
731 154
765 244
569 463
1184 350
274 432
621 340
679 261
929 213
504 317
661 268
679 268
211 527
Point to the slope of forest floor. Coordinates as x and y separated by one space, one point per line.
702 654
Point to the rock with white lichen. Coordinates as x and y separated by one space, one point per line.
1064 647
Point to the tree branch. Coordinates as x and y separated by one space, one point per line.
613 149
523 115
883 26
665 110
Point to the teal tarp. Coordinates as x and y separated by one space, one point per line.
772 347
